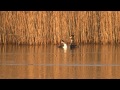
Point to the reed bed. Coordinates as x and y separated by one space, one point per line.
49 27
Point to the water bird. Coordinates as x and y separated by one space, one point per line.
62 44
72 44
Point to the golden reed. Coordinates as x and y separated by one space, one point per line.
48 27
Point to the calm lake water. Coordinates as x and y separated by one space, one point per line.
50 62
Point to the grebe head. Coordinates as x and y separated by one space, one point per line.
62 42
72 36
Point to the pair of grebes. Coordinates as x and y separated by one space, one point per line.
64 45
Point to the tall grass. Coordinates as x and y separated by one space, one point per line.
48 27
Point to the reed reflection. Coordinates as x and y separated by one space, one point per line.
87 61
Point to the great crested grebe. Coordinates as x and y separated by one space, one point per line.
62 45
72 44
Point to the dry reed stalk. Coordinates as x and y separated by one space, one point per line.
46 27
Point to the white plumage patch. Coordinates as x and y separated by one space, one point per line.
64 45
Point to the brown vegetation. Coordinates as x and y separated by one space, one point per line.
44 27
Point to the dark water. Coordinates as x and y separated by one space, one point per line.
50 62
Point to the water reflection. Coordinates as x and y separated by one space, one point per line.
87 61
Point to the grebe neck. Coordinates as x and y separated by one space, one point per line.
72 41
64 45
